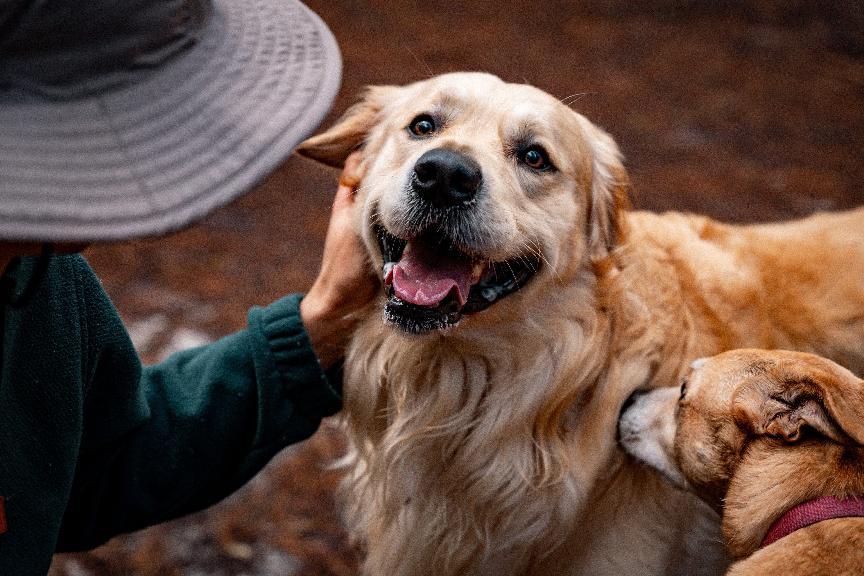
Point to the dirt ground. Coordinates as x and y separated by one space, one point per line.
744 111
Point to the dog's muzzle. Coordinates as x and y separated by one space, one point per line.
435 274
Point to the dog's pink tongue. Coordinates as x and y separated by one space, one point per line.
425 277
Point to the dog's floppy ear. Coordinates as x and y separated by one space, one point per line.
609 192
333 146
791 396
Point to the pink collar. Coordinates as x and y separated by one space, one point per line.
811 512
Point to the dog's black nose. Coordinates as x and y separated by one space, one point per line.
446 178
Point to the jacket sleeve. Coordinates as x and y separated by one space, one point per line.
166 440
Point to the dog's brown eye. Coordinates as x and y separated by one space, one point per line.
536 158
683 389
422 125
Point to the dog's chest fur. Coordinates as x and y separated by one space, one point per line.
454 461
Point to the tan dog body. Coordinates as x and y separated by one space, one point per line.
771 479
755 434
489 447
833 548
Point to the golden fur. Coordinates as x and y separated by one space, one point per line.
756 433
489 448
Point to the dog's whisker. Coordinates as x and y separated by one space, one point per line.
573 98
566 98
528 263
534 249
419 60
512 273
539 252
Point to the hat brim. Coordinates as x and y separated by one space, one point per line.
159 154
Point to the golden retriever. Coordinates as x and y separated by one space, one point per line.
774 440
522 305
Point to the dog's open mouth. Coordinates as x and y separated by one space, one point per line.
431 284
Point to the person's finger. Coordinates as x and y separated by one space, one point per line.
352 163
344 197
351 171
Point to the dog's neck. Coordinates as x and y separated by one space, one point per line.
813 512
773 478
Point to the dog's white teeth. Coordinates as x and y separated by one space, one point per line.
388 267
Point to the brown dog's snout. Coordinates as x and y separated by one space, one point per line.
446 178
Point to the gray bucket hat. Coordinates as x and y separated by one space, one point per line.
127 118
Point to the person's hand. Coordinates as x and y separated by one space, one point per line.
345 283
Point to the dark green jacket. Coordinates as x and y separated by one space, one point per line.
93 445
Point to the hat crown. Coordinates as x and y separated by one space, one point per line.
67 48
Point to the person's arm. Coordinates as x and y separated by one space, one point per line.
169 439
193 428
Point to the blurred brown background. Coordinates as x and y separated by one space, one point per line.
741 110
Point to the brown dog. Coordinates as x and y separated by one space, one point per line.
774 440
522 305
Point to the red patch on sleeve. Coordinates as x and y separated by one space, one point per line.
3 526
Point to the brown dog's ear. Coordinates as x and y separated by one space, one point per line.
793 396
609 193
333 146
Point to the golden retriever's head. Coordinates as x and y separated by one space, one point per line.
697 435
472 189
